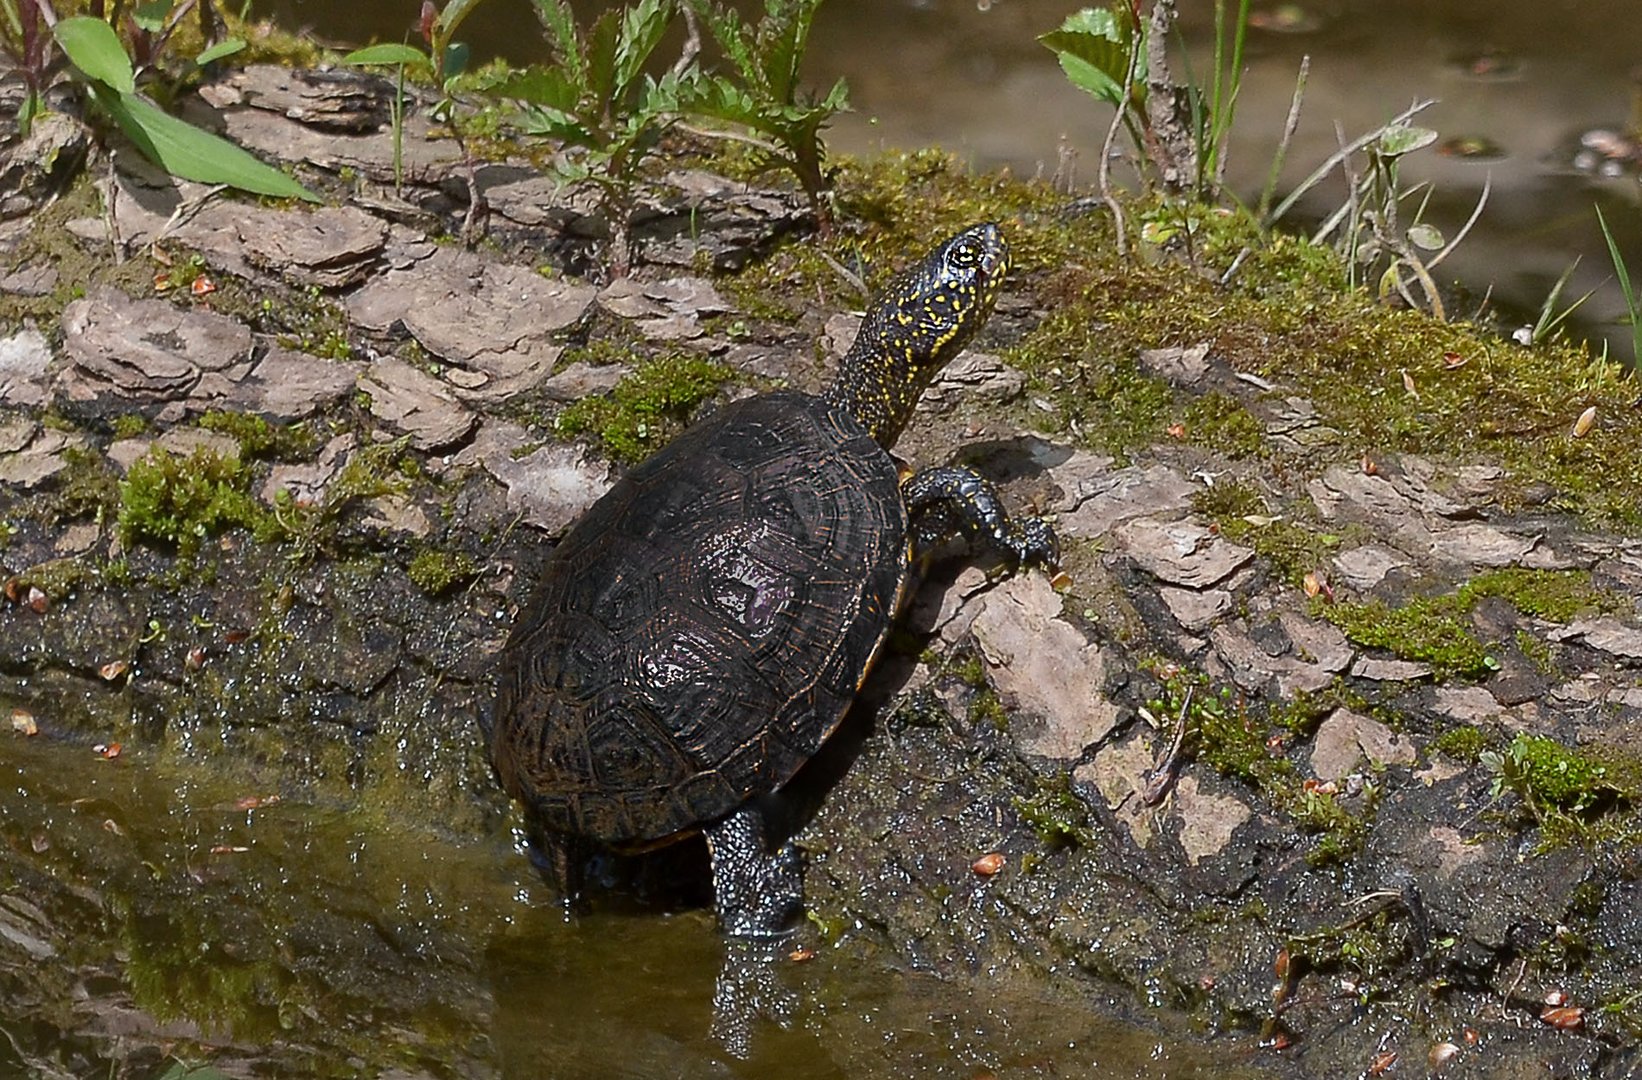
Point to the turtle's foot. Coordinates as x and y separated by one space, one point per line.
561 862
1032 542
756 892
952 500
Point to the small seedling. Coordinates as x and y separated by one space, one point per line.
1633 302
445 59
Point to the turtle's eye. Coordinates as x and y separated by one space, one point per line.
965 257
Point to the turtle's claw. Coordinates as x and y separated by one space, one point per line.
1032 542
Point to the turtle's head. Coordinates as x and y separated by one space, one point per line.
918 323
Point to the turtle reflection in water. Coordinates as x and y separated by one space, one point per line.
699 633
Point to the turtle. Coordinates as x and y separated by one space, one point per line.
702 629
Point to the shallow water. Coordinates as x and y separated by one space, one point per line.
1529 75
300 939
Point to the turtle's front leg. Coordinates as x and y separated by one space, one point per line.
951 500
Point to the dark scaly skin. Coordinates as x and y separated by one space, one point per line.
918 324
591 693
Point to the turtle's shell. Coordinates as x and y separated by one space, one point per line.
702 629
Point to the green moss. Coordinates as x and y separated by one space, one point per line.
1056 814
648 407
260 439
1462 743
1224 734
1437 630
1557 595
1101 397
985 707
1221 423
87 488
178 502
306 321
129 425
1428 630
1340 832
436 572
612 341
59 579
1294 549
1547 774
1537 650
1302 713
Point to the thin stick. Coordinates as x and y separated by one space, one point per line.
1343 153
1104 175
1290 125
1482 200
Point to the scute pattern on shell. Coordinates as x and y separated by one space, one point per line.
701 631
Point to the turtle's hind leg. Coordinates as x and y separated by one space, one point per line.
560 861
952 500
756 892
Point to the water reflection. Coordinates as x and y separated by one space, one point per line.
148 915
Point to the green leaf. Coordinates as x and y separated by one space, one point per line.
179 1071
560 23
390 52
31 107
444 27
641 32
150 16
1425 237
1094 47
184 150
219 50
602 40
92 47
457 54
733 40
549 88
838 98
1405 139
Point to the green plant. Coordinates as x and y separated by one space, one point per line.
1633 303
24 39
150 29
445 59
1212 114
1103 53
1368 227
599 102
1181 129
103 65
1548 776
763 95
1549 317
179 502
